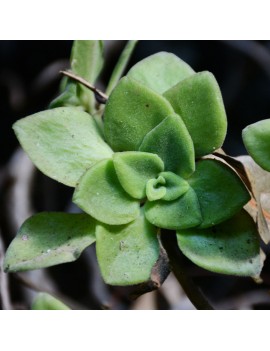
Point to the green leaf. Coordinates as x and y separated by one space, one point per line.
198 101
134 169
127 254
67 98
45 301
220 191
181 213
160 71
229 248
47 239
87 61
62 142
100 194
171 141
154 190
256 138
175 186
121 65
131 112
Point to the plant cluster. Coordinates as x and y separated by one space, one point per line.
145 160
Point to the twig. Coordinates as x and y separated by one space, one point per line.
99 95
176 260
4 291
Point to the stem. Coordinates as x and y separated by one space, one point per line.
121 65
177 262
99 95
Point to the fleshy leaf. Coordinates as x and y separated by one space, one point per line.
45 301
154 189
47 239
183 212
220 191
231 247
160 71
198 101
256 138
100 194
127 254
171 141
87 61
131 112
62 142
134 169
67 98
175 186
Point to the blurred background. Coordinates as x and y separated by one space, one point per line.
29 80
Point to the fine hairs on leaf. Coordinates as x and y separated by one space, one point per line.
149 176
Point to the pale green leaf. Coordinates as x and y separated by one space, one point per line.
87 61
198 101
221 193
134 169
231 247
183 212
256 138
160 71
47 239
121 65
127 254
67 98
175 186
100 194
62 142
171 141
131 112
155 189
45 301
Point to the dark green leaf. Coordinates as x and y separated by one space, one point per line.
171 141
198 101
134 169
231 247
62 142
160 71
220 191
256 138
127 254
45 301
181 213
130 113
48 239
100 194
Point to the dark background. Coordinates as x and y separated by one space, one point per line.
29 80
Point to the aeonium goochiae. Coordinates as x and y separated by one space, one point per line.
139 165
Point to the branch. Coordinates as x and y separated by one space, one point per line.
177 262
99 95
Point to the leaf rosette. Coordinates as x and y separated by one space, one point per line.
148 170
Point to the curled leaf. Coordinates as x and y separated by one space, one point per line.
134 169
100 194
45 301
